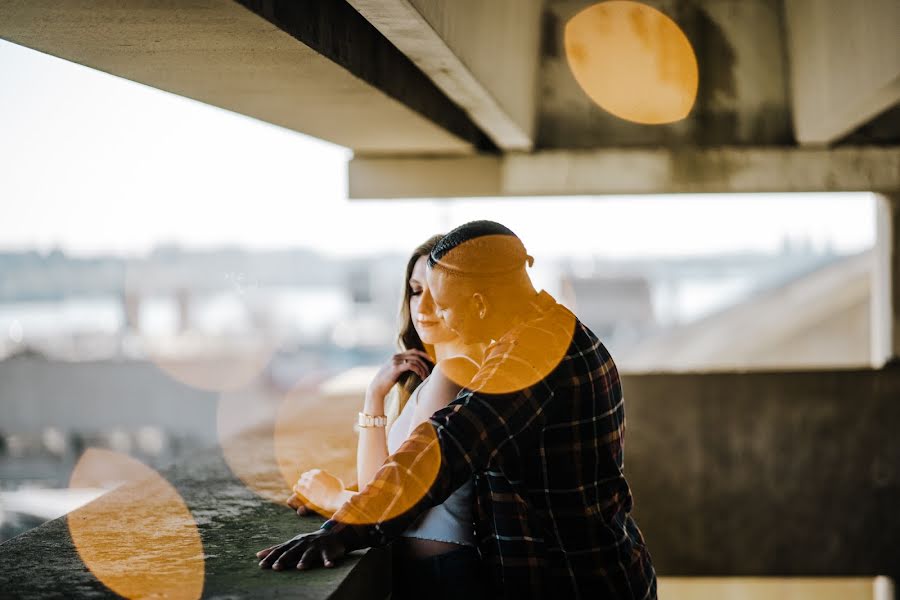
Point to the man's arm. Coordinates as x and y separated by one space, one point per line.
475 430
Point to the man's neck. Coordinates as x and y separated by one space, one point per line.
519 310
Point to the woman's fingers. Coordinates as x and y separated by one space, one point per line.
309 506
409 364
298 503
416 353
414 364
424 355
411 360
311 474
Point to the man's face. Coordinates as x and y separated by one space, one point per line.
455 306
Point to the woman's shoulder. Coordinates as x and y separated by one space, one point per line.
455 371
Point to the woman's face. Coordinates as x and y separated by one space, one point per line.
430 328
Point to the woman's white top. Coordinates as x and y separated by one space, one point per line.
447 522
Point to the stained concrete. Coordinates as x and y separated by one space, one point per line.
726 170
323 70
742 99
233 522
791 473
733 474
844 65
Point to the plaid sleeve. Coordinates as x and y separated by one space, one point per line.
409 482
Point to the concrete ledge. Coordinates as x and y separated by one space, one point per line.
233 522
764 476
780 588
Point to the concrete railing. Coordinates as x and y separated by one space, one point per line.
745 480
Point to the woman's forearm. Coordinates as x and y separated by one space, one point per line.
371 449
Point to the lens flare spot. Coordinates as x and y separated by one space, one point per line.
314 430
245 424
633 61
139 539
528 358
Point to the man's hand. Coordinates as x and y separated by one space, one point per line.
305 551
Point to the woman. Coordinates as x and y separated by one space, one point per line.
437 554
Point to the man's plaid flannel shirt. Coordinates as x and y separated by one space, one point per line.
552 511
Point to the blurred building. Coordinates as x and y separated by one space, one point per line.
819 320
619 310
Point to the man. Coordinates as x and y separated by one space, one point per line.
540 429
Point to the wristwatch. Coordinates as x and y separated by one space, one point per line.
371 420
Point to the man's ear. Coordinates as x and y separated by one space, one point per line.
481 305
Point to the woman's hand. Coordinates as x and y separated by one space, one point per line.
317 491
409 360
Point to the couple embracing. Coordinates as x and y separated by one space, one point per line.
500 473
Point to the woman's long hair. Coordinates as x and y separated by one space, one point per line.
408 338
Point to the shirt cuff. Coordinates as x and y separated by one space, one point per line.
353 537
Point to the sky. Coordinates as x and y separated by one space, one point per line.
94 164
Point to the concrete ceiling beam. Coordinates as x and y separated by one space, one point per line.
316 66
885 297
845 65
629 171
482 55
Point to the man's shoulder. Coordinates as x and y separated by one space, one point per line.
552 343
554 327
454 372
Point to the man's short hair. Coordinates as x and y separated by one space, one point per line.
480 248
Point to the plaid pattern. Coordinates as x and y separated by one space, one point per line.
552 512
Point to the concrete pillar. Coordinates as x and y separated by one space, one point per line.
885 303
845 65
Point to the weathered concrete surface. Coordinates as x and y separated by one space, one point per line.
629 171
766 69
323 70
885 298
782 588
845 64
742 99
98 396
483 56
233 522
733 474
767 474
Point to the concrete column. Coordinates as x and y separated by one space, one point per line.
885 302
845 65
